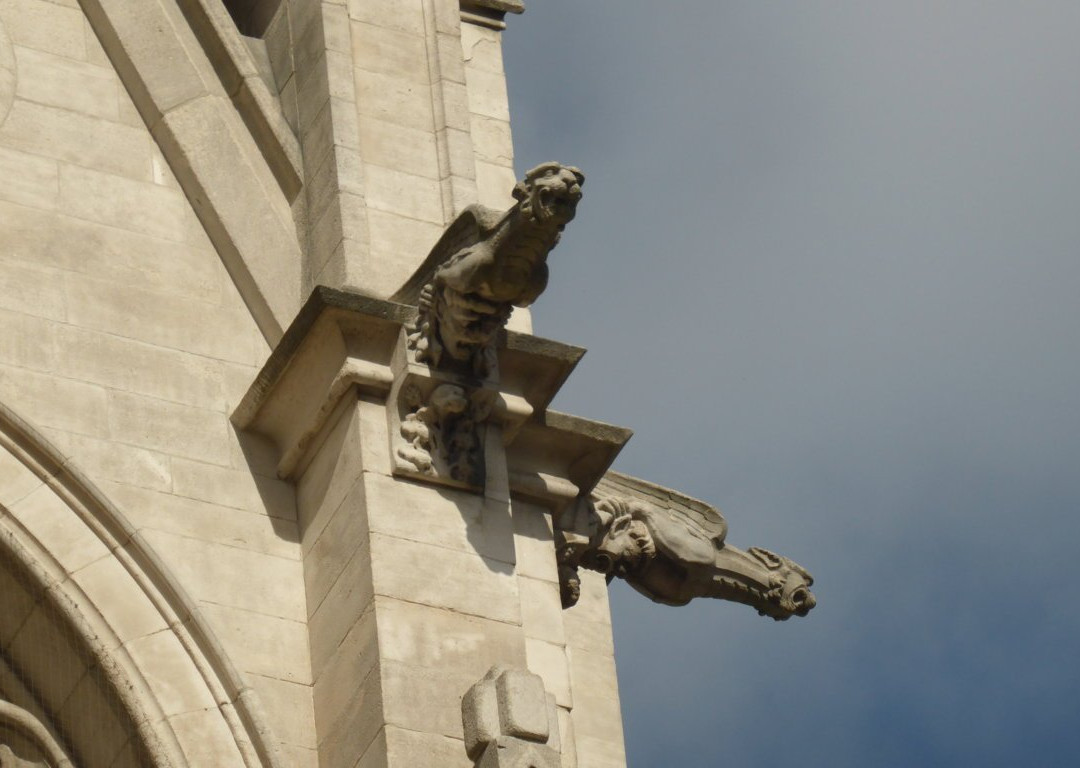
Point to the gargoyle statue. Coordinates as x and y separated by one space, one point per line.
674 555
485 264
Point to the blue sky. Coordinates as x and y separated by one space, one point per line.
827 267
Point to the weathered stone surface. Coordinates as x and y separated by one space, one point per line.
673 550
509 721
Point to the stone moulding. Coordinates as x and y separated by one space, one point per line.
206 661
343 342
41 750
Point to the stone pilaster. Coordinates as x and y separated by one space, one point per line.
416 588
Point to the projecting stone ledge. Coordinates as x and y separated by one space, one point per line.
342 343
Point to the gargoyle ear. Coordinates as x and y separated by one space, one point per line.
620 524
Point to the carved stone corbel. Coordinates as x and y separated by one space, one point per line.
673 549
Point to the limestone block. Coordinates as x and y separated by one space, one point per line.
30 289
354 659
442 517
115 255
533 542
379 49
104 734
455 104
156 52
53 523
27 341
333 618
167 668
394 99
269 646
493 184
414 748
16 602
376 459
487 94
121 202
45 26
423 699
16 481
339 542
412 571
598 753
205 738
404 194
168 427
592 636
399 148
289 707
39 642
513 753
541 610
222 574
29 179
596 699
425 637
239 489
59 81
391 14
493 140
163 319
54 402
106 462
549 661
109 586
79 139
353 727
331 474
150 509
140 368
482 48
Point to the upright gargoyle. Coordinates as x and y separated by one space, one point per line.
485 264
673 552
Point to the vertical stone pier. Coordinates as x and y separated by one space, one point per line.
415 587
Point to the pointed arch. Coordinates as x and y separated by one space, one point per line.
122 640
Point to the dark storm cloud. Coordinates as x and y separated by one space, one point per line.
827 267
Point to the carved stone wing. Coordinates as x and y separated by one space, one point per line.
470 227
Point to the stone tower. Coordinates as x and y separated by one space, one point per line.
279 482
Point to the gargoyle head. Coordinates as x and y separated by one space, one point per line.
549 193
790 584
622 544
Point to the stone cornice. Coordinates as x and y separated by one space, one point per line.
342 341
490 13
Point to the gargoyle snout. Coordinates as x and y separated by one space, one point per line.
802 601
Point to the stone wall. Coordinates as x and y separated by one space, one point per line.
124 339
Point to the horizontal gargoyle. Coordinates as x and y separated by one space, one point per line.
673 552
485 264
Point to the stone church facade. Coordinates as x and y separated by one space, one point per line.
277 486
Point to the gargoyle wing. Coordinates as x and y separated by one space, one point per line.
685 511
470 227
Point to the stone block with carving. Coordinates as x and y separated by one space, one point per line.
510 721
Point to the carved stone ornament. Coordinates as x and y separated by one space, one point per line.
510 721
485 264
672 554
440 429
